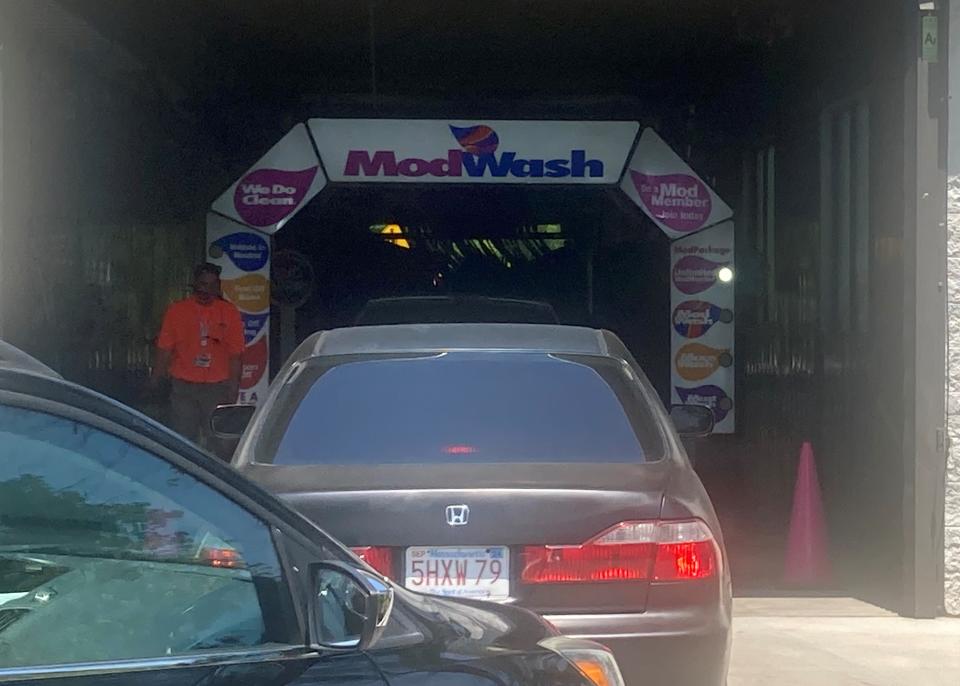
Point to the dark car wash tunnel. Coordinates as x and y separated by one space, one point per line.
821 125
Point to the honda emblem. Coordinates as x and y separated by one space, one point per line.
458 515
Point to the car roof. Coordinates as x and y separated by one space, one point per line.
12 357
55 389
412 338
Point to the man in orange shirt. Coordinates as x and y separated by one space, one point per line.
199 349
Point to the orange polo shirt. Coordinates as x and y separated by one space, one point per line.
202 339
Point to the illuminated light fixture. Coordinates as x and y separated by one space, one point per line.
394 230
725 274
459 449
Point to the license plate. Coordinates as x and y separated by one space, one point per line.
466 572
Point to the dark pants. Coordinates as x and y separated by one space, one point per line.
191 405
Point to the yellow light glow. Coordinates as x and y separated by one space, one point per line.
725 274
392 230
594 671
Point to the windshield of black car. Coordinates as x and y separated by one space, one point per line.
462 407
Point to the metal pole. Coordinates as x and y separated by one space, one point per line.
925 249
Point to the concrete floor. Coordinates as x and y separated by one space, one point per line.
839 642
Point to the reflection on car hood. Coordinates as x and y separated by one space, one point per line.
470 626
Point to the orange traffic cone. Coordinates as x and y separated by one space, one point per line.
807 561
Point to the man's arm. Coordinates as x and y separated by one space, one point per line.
166 341
161 365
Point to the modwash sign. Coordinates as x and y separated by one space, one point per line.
614 154
457 151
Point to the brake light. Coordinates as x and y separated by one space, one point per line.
623 553
459 449
630 551
222 557
378 557
686 550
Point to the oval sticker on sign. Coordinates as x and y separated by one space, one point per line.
693 318
681 202
254 364
694 274
250 293
695 361
248 251
266 196
710 396
253 324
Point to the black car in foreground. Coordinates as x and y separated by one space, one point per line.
128 556
531 465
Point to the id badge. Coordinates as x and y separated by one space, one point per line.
202 361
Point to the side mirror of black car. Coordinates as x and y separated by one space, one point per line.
229 421
692 420
349 607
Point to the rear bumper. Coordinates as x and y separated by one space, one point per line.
675 649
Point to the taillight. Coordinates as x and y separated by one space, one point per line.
222 557
685 550
623 553
630 551
378 557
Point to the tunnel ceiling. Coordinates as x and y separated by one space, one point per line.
701 71
285 50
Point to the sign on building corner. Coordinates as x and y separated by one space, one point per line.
702 275
244 257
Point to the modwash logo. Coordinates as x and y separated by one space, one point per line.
477 157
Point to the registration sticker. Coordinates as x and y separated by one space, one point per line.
462 572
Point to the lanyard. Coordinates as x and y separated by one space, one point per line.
203 312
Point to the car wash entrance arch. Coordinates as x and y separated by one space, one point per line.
569 160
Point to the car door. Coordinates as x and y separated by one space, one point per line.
120 563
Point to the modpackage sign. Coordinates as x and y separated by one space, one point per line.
702 277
